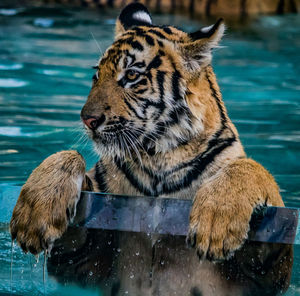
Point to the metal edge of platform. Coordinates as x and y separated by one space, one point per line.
160 215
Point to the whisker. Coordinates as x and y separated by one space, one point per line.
126 146
134 147
98 45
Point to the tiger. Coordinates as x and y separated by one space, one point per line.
157 120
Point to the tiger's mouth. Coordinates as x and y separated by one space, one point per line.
120 134
106 132
113 128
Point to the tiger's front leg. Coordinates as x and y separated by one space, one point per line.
47 202
222 208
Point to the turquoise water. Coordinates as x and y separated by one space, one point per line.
45 75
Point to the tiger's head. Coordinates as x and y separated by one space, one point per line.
139 97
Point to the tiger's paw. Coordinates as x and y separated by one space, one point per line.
217 230
47 202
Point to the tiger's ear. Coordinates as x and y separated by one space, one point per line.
134 14
196 53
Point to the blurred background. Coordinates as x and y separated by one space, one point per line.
48 48
193 7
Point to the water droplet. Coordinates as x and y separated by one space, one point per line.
132 276
162 262
126 292
90 273
113 176
70 261
109 242
96 263
37 258
137 253
118 250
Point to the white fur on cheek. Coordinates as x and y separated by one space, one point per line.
142 16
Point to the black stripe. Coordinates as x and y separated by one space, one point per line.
149 76
160 105
155 63
157 33
167 30
175 85
122 82
139 31
131 177
161 53
177 113
139 64
215 95
137 45
149 40
130 55
160 128
100 174
222 113
124 40
132 109
160 43
160 77
142 33
141 91
174 116
143 81
198 168
133 98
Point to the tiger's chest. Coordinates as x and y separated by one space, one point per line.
176 174
181 180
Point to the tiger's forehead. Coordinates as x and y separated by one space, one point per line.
141 41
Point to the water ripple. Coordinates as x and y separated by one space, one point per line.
10 82
11 66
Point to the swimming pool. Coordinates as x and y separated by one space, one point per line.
45 75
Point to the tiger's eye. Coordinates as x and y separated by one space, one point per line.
132 75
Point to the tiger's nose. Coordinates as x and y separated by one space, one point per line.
93 122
